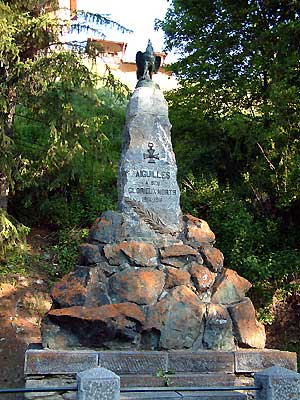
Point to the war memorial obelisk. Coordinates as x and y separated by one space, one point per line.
150 291
150 278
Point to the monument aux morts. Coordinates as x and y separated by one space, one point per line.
150 278
150 299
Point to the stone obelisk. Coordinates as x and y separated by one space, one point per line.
147 186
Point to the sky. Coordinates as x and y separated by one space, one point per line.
137 15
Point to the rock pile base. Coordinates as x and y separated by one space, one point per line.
130 294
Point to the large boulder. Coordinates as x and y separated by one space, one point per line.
139 253
83 287
218 334
179 319
179 255
176 277
230 287
93 326
142 286
248 331
198 231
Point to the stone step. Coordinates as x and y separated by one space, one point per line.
184 395
40 361
183 380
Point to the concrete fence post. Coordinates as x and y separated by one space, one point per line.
277 383
98 384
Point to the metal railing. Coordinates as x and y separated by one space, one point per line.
135 389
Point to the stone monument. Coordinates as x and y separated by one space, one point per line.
150 300
150 278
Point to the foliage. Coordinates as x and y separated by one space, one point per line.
56 130
166 375
254 246
63 255
12 233
68 155
235 124
57 256
239 70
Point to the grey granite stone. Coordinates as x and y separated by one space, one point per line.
151 396
205 395
278 383
147 185
98 384
218 333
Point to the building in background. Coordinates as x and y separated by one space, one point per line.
67 10
111 57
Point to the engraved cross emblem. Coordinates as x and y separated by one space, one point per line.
151 156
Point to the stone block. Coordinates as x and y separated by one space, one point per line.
141 381
277 383
207 380
179 379
138 253
247 361
176 277
151 395
201 361
181 261
177 250
230 287
179 317
141 286
212 257
213 395
49 382
198 230
179 255
247 330
45 362
218 333
133 362
98 384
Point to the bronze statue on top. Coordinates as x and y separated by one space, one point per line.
147 64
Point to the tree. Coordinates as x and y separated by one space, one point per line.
32 58
41 79
239 67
